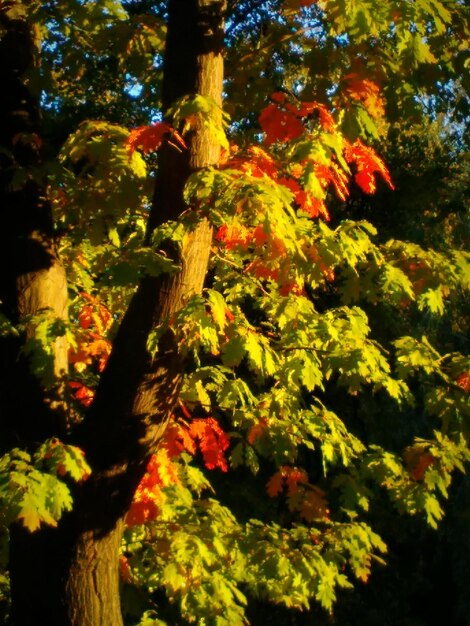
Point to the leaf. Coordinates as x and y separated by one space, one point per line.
213 442
150 138
275 484
367 92
279 124
367 163
32 513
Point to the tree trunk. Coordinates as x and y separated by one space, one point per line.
70 574
32 279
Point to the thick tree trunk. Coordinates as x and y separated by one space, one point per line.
74 577
32 279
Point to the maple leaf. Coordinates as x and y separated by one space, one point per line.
275 484
257 163
463 381
368 164
83 394
148 497
279 124
85 317
259 235
292 287
282 120
417 460
142 510
334 175
98 348
326 119
277 248
150 138
213 442
367 92
314 505
92 345
177 439
233 236
311 205
424 461
125 570
291 183
287 476
94 313
305 109
30 515
257 431
294 476
261 270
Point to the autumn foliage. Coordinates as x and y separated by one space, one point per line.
280 367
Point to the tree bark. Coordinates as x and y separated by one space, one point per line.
32 279
74 578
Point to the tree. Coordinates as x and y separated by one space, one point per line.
226 308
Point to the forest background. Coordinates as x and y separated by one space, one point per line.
234 312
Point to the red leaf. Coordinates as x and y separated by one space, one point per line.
257 162
150 138
275 484
365 91
294 476
141 512
288 476
213 442
368 163
291 287
85 317
125 570
83 394
366 181
314 505
233 236
257 431
308 108
177 439
463 381
424 461
279 125
311 205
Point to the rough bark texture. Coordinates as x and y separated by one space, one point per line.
75 579
32 278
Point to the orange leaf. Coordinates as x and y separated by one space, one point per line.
85 317
367 92
141 511
311 205
83 394
288 476
177 439
257 431
275 484
463 381
257 162
424 461
150 138
368 163
294 476
125 570
233 236
314 505
291 287
213 442
279 125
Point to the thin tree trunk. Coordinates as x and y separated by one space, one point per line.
76 565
